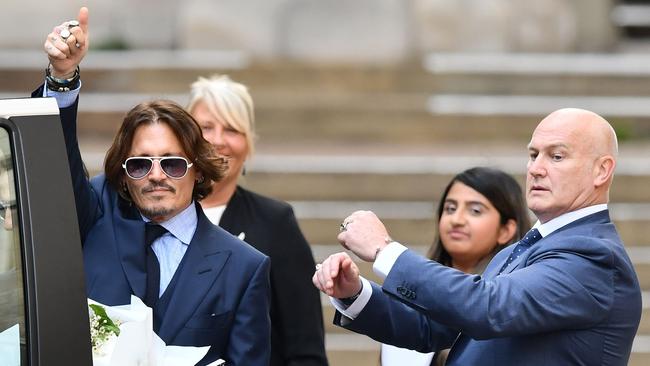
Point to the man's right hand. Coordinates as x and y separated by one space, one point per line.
338 276
66 54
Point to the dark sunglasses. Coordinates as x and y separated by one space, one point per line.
137 167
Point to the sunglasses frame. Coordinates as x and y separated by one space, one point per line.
152 159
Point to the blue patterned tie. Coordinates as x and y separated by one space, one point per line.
526 242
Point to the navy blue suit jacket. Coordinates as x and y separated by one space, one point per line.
573 298
221 296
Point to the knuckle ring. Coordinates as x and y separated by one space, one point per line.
73 23
65 34
318 266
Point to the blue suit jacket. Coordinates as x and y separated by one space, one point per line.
573 298
222 291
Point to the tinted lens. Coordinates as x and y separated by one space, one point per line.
138 167
174 167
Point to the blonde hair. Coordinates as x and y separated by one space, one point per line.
228 100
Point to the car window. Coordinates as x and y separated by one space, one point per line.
12 309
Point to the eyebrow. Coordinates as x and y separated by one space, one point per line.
549 147
451 200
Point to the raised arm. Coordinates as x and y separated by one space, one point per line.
66 47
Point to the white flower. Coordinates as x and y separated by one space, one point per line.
103 330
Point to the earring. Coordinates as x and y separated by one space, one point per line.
200 180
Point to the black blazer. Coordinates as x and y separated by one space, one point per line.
270 226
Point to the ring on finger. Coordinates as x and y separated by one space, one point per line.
65 34
73 23
318 266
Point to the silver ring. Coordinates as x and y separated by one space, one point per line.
342 227
73 23
65 34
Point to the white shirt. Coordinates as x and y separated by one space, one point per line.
394 356
214 213
388 256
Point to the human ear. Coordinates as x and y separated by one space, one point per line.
603 170
506 232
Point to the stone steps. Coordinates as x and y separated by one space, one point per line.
336 138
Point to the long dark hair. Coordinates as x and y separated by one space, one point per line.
503 192
198 150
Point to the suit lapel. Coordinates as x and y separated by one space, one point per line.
203 263
129 235
234 214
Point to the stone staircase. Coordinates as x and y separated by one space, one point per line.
334 139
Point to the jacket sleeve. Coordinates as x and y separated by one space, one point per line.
86 200
250 337
387 320
297 302
557 289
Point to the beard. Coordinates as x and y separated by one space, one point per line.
156 209
153 212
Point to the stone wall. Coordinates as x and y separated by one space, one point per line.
325 31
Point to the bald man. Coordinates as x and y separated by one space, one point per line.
567 294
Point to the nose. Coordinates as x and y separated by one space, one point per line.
458 217
536 167
156 172
217 137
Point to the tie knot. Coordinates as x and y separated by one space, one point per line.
152 232
531 237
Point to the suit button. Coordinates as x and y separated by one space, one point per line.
401 290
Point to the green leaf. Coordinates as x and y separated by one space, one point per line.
105 321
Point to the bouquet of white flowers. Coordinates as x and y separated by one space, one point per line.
123 336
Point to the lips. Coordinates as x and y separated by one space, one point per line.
538 188
457 234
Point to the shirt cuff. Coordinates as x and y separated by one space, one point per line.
357 306
63 99
387 258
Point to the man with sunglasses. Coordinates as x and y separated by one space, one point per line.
143 231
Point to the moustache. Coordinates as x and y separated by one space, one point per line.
156 185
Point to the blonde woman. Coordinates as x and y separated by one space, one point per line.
224 110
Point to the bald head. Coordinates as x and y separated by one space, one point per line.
572 160
585 127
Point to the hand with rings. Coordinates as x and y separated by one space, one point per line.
344 225
67 45
366 238
337 276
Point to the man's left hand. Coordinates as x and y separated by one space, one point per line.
364 234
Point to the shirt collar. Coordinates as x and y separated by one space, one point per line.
183 225
550 226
